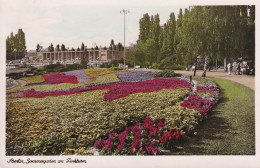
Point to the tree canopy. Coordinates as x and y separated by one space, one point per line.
215 31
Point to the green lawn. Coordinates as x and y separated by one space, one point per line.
229 128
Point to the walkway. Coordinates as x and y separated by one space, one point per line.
246 80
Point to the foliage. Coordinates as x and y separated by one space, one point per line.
51 48
166 74
53 144
213 31
111 64
15 45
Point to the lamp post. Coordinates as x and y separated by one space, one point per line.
124 12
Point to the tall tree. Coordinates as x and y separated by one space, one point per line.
82 47
112 44
51 48
63 48
16 43
144 27
38 48
58 47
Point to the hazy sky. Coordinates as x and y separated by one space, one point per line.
73 22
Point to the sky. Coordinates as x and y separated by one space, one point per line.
73 22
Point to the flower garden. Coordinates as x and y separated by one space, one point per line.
109 112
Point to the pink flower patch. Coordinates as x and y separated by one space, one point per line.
198 103
60 78
212 90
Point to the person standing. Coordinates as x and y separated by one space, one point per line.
229 70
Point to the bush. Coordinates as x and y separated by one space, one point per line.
52 144
166 73
114 69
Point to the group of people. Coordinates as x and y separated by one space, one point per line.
238 68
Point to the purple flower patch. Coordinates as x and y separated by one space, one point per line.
80 74
134 76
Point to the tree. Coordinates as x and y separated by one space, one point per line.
38 48
144 28
96 48
51 48
58 47
72 49
16 43
78 49
84 63
82 47
112 44
63 47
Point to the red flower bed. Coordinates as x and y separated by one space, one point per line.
198 103
116 90
212 90
141 142
60 78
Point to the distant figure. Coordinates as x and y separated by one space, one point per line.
238 68
229 68
234 68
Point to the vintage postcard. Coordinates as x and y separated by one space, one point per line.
96 83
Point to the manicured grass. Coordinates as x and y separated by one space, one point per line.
229 128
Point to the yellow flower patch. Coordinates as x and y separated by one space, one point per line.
34 79
95 72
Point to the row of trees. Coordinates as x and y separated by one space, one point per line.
15 45
116 47
215 31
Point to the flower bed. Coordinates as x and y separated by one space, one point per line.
142 138
207 89
108 114
102 75
116 90
134 76
79 74
198 103
34 79
95 72
87 116
60 78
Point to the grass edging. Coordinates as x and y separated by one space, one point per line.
229 128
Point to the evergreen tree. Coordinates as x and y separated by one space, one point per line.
112 44
58 47
82 47
51 48
63 47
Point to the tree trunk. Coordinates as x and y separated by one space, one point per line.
205 67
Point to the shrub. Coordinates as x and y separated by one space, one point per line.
166 73
52 144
